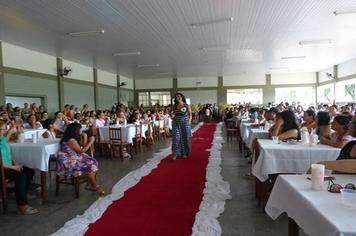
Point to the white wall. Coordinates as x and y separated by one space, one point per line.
26 59
201 96
244 80
79 71
293 78
107 78
322 74
347 68
164 83
191 82
128 81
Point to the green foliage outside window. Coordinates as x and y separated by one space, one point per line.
350 90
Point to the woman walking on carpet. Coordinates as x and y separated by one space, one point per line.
182 135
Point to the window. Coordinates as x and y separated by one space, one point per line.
253 96
326 93
345 91
303 95
162 98
143 98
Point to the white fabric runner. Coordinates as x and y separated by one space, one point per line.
216 192
316 212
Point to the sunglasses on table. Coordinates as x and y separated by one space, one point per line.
336 188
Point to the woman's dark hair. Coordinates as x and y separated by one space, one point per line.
175 100
72 131
343 121
47 123
289 121
323 118
310 113
98 114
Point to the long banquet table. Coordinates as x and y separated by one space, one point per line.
316 212
289 158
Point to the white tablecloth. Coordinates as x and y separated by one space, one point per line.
127 131
316 212
35 155
289 158
28 132
245 130
256 133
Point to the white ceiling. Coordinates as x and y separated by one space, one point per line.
262 32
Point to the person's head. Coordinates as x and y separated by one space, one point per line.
3 127
121 114
309 116
48 124
323 118
66 107
179 97
85 106
44 115
31 119
92 114
272 113
341 124
58 115
25 105
71 107
333 110
72 132
289 121
100 115
78 116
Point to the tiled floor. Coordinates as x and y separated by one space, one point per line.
241 216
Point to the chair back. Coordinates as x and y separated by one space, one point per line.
115 134
138 131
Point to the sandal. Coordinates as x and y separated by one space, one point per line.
100 190
29 211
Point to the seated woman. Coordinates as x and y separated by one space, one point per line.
72 159
309 120
50 133
286 126
340 137
20 174
100 119
121 118
32 123
323 128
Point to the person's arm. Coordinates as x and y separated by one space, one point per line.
347 166
292 133
190 114
84 138
353 152
277 128
9 133
74 145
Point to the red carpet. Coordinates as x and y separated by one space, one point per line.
164 202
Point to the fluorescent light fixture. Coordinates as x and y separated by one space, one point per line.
220 48
278 68
222 20
318 41
164 73
148 66
337 13
293 57
122 54
86 33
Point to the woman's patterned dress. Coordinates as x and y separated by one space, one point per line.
181 130
71 163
